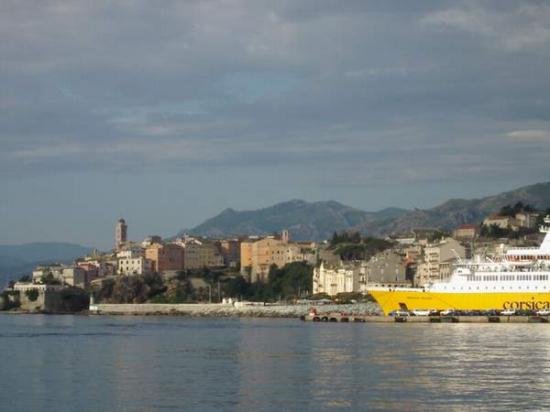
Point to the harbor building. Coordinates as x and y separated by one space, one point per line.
38 297
387 267
438 259
346 278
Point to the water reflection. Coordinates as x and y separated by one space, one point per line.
67 363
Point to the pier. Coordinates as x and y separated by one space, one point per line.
345 318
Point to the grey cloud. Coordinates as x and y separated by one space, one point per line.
95 85
510 27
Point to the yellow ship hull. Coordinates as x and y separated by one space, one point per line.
411 299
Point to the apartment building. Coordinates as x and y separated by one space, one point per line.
230 250
133 262
165 257
438 259
259 254
387 267
344 278
198 254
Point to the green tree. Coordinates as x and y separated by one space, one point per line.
32 294
49 279
74 300
25 278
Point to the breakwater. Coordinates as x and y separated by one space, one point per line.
229 310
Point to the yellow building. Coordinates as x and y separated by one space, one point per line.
502 222
258 255
199 254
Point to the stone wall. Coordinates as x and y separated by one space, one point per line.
221 310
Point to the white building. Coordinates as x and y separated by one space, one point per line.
342 279
438 260
134 266
133 262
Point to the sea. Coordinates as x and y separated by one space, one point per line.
108 363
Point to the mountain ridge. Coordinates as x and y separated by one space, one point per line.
318 220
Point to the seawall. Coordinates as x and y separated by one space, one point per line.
227 310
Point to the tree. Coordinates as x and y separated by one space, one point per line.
236 287
25 279
49 279
74 300
32 294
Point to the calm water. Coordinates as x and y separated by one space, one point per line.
69 363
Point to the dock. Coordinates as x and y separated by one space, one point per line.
353 318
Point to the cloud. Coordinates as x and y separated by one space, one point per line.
99 86
523 26
531 134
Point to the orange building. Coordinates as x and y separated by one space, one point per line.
165 256
258 255
246 254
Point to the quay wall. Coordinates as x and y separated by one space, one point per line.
228 310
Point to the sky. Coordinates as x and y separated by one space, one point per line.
166 113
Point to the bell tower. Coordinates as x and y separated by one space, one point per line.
121 233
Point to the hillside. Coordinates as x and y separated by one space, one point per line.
304 220
458 211
318 220
17 260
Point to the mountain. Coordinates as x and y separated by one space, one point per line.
455 212
318 220
18 260
304 220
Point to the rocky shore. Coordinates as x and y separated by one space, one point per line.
229 310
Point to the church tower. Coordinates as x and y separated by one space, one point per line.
285 236
121 233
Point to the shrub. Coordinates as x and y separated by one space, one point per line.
32 294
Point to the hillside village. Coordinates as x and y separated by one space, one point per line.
267 268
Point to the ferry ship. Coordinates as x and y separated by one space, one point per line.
520 280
